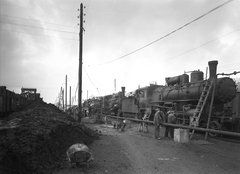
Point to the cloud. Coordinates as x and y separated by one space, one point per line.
112 29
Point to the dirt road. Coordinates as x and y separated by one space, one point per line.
134 152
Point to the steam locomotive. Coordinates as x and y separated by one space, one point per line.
182 96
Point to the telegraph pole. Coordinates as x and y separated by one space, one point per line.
63 98
60 95
59 98
80 63
115 85
70 98
66 94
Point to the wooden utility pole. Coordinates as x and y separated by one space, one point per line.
63 98
80 64
66 94
70 105
59 98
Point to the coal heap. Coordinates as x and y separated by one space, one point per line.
35 139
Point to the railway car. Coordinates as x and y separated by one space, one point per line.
11 101
7 101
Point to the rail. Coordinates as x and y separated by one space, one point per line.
182 126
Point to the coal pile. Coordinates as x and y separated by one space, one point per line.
35 139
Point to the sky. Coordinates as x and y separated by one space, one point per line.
130 42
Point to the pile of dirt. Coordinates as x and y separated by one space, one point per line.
35 139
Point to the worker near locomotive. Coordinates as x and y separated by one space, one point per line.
159 118
211 103
171 118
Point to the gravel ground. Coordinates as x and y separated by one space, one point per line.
132 152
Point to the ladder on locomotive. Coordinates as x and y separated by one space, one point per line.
201 103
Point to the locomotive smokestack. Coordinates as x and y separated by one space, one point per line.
213 68
123 91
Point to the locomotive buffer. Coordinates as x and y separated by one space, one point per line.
201 103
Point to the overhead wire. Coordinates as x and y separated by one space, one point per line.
39 35
140 47
88 7
90 79
38 27
172 32
203 44
68 32
76 84
37 21
54 30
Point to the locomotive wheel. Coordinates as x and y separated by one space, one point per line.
215 126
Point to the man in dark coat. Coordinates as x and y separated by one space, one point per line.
158 120
170 119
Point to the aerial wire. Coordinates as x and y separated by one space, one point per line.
39 35
172 32
90 79
37 21
38 27
203 44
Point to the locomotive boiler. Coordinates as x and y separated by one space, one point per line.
190 91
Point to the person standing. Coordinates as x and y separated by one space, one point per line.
170 119
158 120
144 118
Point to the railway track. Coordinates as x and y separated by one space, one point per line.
228 139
